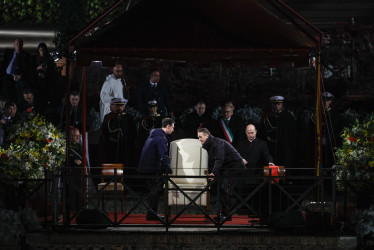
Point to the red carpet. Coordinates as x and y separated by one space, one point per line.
182 220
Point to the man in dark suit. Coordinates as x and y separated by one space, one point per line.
15 72
198 119
153 90
229 126
76 112
224 161
154 161
6 119
29 104
74 201
255 154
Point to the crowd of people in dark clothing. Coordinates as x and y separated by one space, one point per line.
25 78
25 81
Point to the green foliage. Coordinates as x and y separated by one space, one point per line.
46 11
73 16
70 19
68 16
30 11
355 157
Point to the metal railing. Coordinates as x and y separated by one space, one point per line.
270 198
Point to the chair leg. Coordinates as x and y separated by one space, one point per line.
166 204
207 208
98 200
102 201
122 199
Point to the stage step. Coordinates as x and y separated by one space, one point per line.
183 238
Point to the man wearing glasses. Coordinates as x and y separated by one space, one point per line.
74 184
229 127
112 88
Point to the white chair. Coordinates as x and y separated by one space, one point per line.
188 158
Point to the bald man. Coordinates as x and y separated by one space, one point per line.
255 152
74 185
255 155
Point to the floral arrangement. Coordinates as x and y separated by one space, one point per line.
34 145
355 158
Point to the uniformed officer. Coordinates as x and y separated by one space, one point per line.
119 134
331 127
148 122
152 119
278 128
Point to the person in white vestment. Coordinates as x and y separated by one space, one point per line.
112 88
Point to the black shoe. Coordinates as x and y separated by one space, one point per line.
154 217
222 217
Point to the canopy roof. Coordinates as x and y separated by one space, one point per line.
200 31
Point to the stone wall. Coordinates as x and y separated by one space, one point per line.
182 239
